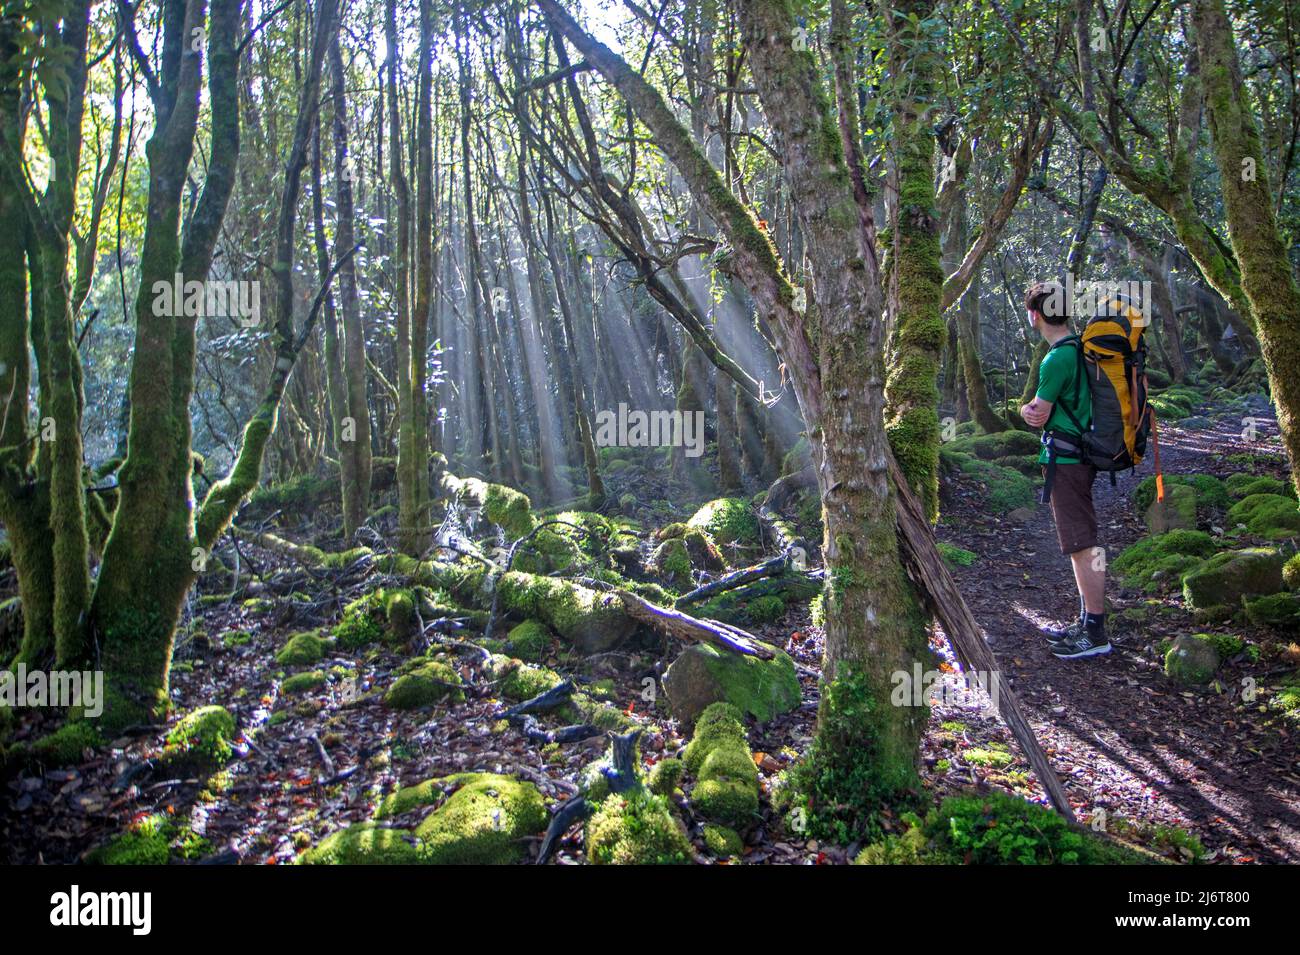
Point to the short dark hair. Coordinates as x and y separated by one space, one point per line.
1040 293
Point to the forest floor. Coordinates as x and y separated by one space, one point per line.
1138 754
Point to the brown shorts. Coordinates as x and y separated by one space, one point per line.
1076 521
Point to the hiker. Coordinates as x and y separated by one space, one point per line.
1062 406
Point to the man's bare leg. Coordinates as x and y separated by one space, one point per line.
1090 577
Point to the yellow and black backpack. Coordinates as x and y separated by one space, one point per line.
1113 355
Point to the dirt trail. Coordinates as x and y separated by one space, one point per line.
1124 738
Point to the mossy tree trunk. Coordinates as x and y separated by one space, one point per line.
1267 278
355 463
834 354
159 542
915 273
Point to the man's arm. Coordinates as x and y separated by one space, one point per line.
1036 412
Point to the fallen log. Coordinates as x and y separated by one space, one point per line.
773 567
690 629
927 569
557 695
533 731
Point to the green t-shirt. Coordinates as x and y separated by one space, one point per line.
1056 383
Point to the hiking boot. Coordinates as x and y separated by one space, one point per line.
1090 642
1061 634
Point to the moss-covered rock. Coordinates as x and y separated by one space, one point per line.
505 507
303 682
1226 578
1291 572
722 842
1243 485
200 741
1004 490
1003 444
671 560
1211 494
1154 563
406 798
702 675
1176 512
665 776
385 614
592 622
146 842
364 843
1267 515
636 828
1192 660
484 822
426 684
530 641
1279 611
301 649
520 681
727 520
726 788
66 746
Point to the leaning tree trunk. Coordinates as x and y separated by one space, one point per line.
1267 278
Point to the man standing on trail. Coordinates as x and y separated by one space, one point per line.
1063 408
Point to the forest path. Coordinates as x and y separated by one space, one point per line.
1123 737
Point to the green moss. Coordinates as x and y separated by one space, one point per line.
703 674
722 842
1004 490
727 520
484 822
301 649
200 741
406 798
1157 562
765 609
1244 485
530 641
672 560
665 776
991 447
1192 659
429 683
593 621
66 746
147 842
636 828
995 755
509 509
520 681
956 556
1280 611
303 682
907 848
726 789
1224 579
1291 572
382 614
1267 515
364 843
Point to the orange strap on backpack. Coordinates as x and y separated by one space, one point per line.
1155 455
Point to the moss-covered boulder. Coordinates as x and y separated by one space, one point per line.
519 681
1192 659
636 828
1279 611
591 621
364 843
726 787
484 822
728 520
1244 485
430 682
301 649
671 561
722 842
387 614
1226 578
1211 493
1176 512
1291 572
505 507
303 682
530 641
1273 516
702 675
1155 563
1002 444
200 741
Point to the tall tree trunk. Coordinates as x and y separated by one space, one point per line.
1267 277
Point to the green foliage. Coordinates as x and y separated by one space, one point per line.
636 828
147 842
766 609
957 556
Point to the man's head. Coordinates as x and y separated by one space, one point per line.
1046 308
